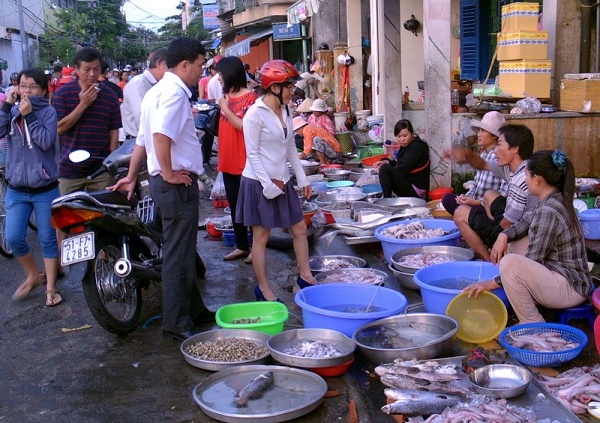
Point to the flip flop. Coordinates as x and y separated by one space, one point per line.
23 290
53 298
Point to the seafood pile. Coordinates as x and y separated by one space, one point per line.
331 264
246 320
418 261
412 230
227 350
417 403
428 375
313 349
540 342
366 276
254 389
574 388
487 410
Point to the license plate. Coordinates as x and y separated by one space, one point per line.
78 248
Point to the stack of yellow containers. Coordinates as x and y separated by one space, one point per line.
523 52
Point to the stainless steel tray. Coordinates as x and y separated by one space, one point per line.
295 392
280 342
218 334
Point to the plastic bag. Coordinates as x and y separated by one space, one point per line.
367 178
218 191
528 106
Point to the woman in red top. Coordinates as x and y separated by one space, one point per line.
232 152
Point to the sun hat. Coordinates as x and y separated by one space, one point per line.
304 107
298 122
491 122
318 105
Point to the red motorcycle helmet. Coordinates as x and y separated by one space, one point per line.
277 72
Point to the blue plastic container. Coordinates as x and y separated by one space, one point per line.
229 238
590 223
440 283
330 306
391 245
339 184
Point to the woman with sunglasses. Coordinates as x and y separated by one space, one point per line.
30 127
267 198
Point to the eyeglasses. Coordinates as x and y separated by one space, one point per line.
29 87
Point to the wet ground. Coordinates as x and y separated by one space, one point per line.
94 376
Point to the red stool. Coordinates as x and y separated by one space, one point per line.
596 302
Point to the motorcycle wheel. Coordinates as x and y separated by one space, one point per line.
114 302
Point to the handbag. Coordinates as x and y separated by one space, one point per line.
208 119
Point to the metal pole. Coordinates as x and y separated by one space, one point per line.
304 48
24 49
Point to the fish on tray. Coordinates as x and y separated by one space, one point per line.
437 373
406 382
540 342
314 349
254 389
418 403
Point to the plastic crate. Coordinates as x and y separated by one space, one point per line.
221 204
544 359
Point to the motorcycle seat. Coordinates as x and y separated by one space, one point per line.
111 197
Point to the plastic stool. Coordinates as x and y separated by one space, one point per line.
582 311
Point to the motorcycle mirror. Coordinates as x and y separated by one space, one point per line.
78 156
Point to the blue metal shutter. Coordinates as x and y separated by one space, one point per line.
474 43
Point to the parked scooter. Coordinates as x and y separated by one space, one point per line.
119 238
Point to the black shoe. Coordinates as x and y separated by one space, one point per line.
181 336
302 283
260 297
205 317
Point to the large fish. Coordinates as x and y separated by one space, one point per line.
433 374
418 403
406 382
254 389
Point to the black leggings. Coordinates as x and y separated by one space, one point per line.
392 180
232 189
207 145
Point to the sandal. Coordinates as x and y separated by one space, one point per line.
24 289
53 298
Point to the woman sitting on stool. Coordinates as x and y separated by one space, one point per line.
408 175
554 271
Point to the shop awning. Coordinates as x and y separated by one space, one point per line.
243 47
301 11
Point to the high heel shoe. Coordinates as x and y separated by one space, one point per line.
260 297
302 283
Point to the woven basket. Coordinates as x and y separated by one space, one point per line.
361 137
345 140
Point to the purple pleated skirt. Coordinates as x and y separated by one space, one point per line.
254 209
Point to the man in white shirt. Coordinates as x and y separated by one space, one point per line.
136 89
167 136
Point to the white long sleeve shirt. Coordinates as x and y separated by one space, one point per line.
133 94
269 148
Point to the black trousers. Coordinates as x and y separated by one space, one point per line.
392 180
178 208
232 189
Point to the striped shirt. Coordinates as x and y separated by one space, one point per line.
518 200
554 243
91 132
485 180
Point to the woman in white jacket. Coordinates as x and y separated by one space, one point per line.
267 198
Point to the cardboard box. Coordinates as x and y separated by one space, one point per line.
521 45
531 77
580 96
520 17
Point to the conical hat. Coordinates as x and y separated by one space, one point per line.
304 107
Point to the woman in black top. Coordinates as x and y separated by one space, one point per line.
408 175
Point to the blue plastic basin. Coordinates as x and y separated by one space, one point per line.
440 283
391 245
328 306
590 223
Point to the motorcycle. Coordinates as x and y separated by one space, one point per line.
120 239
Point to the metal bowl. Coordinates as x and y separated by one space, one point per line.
280 342
219 334
310 168
419 336
405 279
449 252
501 380
322 263
324 199
363 275
401 201
337 174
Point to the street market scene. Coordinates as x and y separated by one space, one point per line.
332 211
